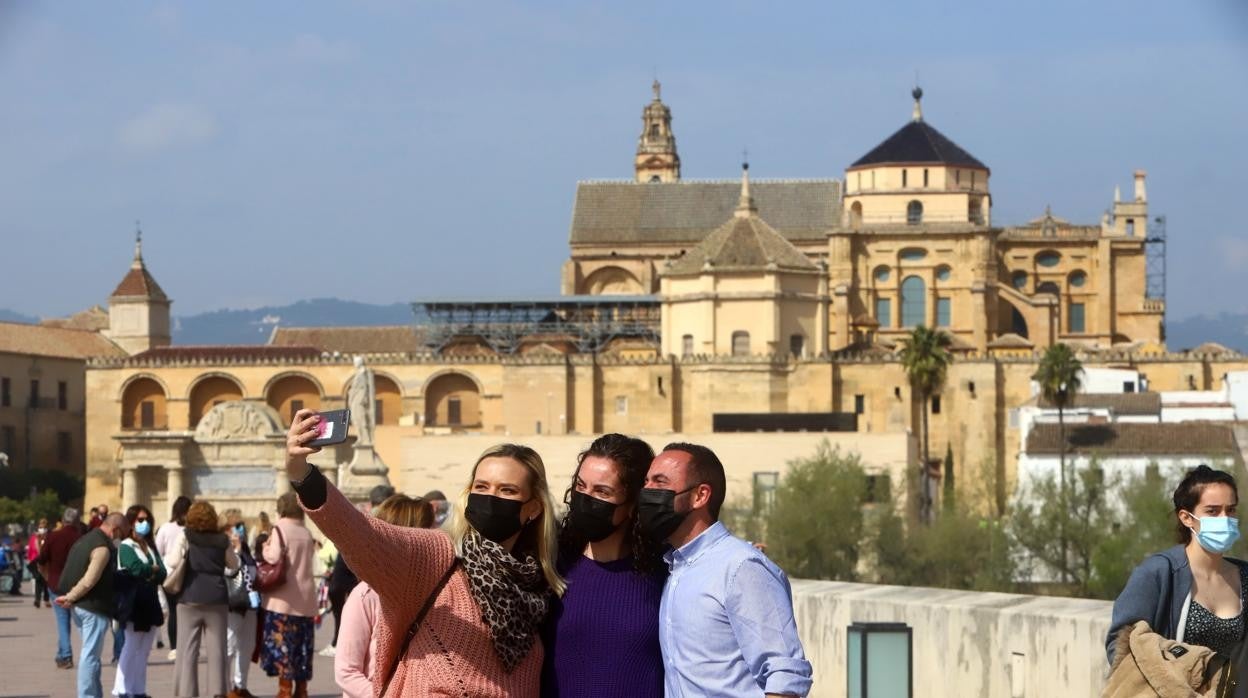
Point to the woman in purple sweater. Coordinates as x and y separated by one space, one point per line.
602 637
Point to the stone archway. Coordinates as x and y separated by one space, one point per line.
453 400
144 405
292 392
210 390
612 281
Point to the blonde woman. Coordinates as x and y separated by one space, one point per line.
461 616
353 666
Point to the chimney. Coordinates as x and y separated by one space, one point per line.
1140 195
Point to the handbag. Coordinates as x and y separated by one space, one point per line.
173 583
411 630
271 575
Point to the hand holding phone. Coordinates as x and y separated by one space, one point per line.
332 429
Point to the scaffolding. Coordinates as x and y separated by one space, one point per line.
1155 266
590 323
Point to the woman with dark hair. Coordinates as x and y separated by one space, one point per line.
168 539
602 637
286 649
1191 593
210 558
140 571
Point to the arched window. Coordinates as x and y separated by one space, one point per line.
740 343
655 178
654 130
686 345
1049 287
855 214
210 392
143 405
292 393
452 400
797 345
914 213
913 302
1019 280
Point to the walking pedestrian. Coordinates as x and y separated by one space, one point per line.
290 608
52 559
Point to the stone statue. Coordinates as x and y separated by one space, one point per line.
362 401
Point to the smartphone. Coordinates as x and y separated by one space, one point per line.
332 429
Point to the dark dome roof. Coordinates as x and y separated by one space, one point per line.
917 142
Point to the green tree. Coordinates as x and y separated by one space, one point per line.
45 504
925 356
1145 524
1058 376
1082 509
960 550
815 528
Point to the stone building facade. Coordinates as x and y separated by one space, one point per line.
774 298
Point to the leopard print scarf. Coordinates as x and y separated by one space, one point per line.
512 594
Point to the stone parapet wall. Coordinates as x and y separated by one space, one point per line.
965 643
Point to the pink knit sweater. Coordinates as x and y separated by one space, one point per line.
451 654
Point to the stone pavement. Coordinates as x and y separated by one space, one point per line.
28 645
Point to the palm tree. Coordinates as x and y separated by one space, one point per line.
1058 376
925 356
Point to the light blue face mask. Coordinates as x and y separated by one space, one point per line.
143 528
1217 533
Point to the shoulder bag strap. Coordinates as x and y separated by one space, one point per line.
411 631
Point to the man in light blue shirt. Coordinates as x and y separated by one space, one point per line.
726 622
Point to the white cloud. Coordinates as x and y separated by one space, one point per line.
168 126
311 48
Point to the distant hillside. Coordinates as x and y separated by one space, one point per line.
12 316
255 326
1227 329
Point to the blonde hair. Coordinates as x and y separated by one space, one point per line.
405 511
229 518
540 535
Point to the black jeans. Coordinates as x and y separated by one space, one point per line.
336 602
171 623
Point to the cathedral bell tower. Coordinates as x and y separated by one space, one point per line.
138 310
657 160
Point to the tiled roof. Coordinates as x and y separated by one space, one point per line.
686 212
743 243
918 142
39 340
1119 403
138 282
93 319
385 339
1122 439
225 353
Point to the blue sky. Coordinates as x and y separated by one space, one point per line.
387 151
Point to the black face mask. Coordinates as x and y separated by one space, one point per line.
495 518
591 517
656 513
